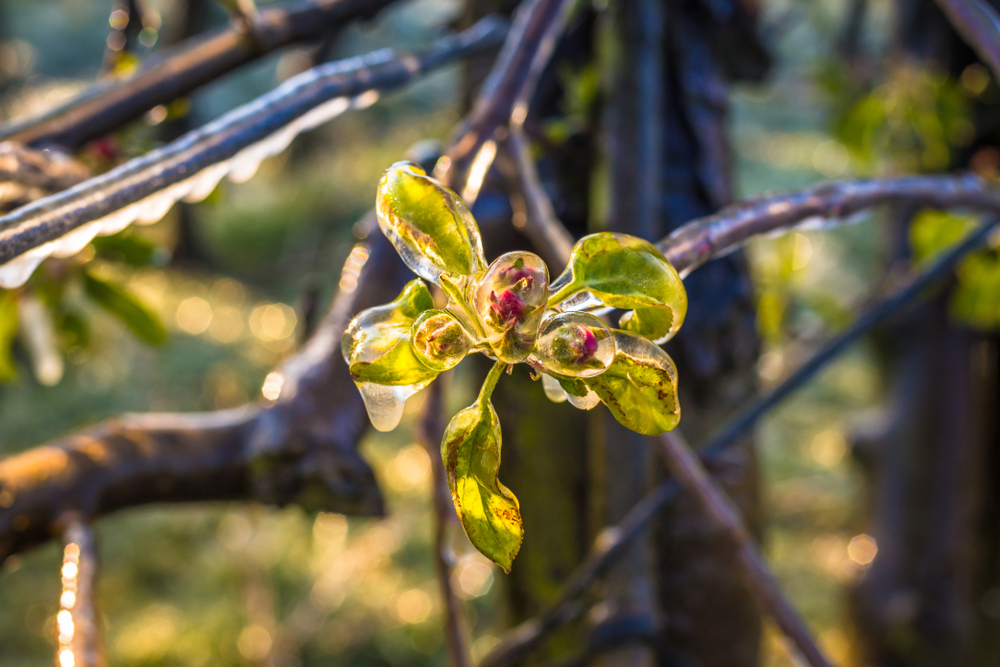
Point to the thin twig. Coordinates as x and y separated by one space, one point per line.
429 432
979 25
79 639
612 543
829 204
520 641
179 70
237 141
541 225
834 348
724 514
493 107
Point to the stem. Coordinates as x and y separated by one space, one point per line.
490 383
430 431
724 514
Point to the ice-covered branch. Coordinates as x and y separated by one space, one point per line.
979 25
145 188
522 54
726 517
79 638
181 69
430 432
821 205
27 174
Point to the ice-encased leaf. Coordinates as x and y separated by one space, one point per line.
575 344
428 224
470 449
439 339
640 386
380 356
625 272
510 301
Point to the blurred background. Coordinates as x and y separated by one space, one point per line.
239 585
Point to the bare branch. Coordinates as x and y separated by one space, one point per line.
716 235
979 25
79 638
541 225
178 71
146 187
611 544
493 107
724 514
27 174
430 433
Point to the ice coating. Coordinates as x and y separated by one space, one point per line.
439 339
239 168
385 403
428 224
575 344
553 390
585 402
510 301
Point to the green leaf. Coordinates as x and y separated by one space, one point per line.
626 272
8 332
470 449
377 346
428 224
126 307
932 232
125 247
640 387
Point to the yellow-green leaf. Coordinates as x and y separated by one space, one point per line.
640 387
8 332
470 449
376 343
626 272
428 224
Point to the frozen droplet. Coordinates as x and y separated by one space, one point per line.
152 209
117 221
17 271
585 402
76 240
384 403
575 344
510 300
553 390
206 181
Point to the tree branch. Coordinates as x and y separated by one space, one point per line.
716 235
726 517
79 640
513 67
146 187
430 432
541 225
177 71
979 25
27 174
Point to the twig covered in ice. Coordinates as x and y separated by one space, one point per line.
145 188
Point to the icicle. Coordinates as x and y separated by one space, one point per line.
553 390
384 403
